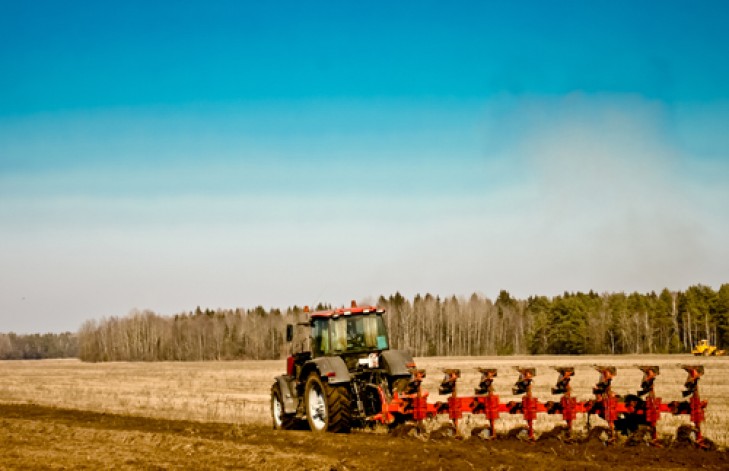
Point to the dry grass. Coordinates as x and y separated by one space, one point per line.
208 391
238 392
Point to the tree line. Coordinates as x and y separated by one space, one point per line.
572 323
427 325
38 346
223 334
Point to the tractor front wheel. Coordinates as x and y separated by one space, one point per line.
327 406
281 421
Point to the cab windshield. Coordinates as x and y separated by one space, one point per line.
350 334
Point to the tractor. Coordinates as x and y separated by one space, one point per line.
704 348
343 375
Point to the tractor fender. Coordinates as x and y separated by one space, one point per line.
288 391
333 369
396 362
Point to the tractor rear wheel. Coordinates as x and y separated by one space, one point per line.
328 407
281 421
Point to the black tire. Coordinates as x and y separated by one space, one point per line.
328 407
281 421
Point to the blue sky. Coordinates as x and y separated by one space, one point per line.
163 155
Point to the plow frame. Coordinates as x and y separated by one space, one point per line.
412 404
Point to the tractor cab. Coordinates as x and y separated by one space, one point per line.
355 331
357 335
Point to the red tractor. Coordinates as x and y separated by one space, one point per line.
345 378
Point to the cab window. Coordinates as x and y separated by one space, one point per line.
320 334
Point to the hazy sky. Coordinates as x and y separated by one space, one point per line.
165 155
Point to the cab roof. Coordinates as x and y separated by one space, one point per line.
349 311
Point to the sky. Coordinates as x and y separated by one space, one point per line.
167 155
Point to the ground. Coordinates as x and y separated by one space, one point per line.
35 436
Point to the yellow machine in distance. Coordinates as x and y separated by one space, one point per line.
704 348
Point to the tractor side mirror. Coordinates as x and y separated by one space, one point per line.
289 332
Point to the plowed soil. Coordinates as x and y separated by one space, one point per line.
33 436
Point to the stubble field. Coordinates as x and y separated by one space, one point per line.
65 413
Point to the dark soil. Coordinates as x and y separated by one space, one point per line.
33 436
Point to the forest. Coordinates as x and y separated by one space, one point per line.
38 346
427 325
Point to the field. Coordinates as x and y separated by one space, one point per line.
64 413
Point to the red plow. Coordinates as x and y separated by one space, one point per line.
634 415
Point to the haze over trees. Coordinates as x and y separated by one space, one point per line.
38 346
572 323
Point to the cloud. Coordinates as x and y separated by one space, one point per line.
600 198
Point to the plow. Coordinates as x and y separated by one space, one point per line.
633 415
345 376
